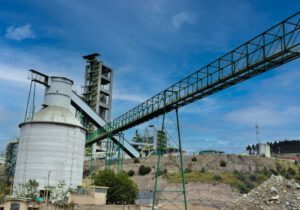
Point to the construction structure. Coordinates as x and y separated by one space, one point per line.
97 93
98 84
45 138
274 47
278 45
268 50
148 142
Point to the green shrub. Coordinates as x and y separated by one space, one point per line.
203 170
136 160
187 170
86 172
4 188
122 190
287 175
265 171
131 173
143 170
163 172
296 162
236 172
291 171
272 171
297 178
28 189
217 177
242 188
283 172
194 159
242 177
253 177
278 167
223 163
249 185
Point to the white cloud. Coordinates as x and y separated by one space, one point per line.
13 74
20 33
181 18
204 106
267 116
129 97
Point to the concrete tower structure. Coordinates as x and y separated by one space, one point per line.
97 93
98 83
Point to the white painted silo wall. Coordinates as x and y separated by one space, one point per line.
50 147
52 142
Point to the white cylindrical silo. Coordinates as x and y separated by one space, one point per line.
52 144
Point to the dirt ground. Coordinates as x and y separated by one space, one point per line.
199 195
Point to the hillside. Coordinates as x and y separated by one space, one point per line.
238 175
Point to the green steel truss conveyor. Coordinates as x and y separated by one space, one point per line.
272 48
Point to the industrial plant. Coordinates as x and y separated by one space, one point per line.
69 145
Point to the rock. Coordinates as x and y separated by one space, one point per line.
275 193
276 197
273 190
289 184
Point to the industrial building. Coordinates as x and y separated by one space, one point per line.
97 93
148 142
45 139
52 141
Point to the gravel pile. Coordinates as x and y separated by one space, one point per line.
276 193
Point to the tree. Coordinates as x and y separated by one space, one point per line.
249 149
28 190
31 188
253 149
143 170
122 190
10 160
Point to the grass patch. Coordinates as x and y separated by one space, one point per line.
241 180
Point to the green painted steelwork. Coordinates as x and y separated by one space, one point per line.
115 151
120 153
270 49
181 159
158 168
92 173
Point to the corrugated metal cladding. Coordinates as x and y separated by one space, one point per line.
53 142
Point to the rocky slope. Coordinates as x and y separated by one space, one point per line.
276 193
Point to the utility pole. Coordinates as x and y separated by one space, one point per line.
257 132
47 188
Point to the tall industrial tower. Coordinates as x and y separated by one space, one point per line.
97 91
98 83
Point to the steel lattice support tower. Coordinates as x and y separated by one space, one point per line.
160 168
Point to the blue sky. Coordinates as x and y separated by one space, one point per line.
151 45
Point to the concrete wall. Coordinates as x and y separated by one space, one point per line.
99 199
93 207
23 205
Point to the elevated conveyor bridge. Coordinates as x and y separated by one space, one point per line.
272 48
